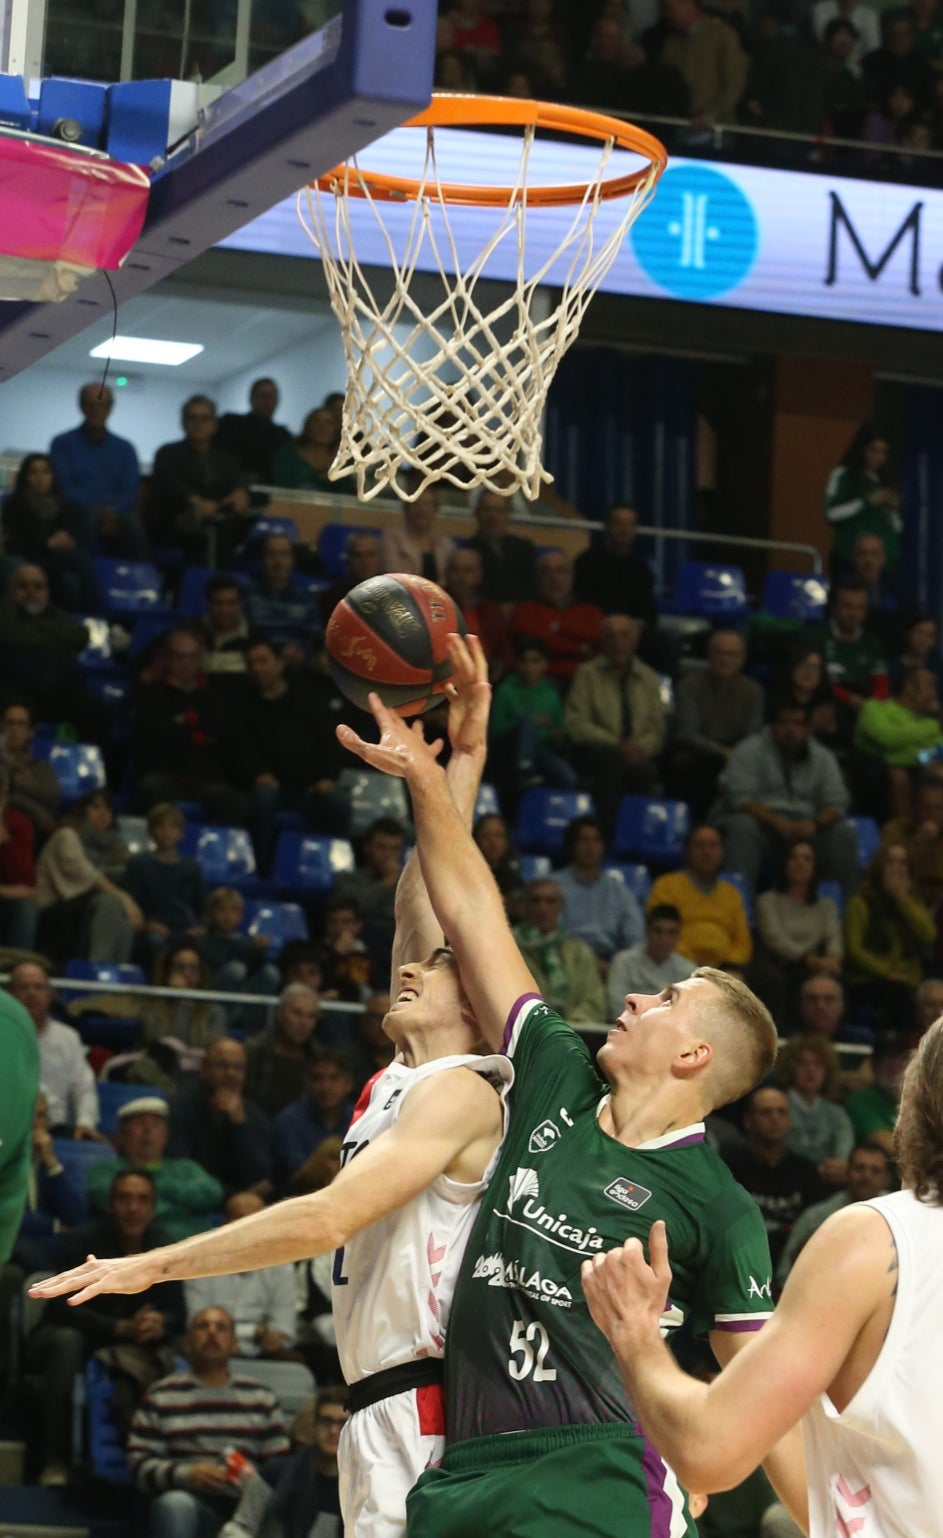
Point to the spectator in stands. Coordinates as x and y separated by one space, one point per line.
39 648
373 884
707 55
40 526
67 1080
922 836
568 630
901 732
361 562
53 1201
299 962
861 18
417 544
181 734
261 1304
482 616
277 1060
372 1050
34 785
802 679
187 1425
807 1069
325 1110
345 966
302 464
213 1123
822 1013
18 910
131 1334
617 73
612 575
896 66
889 933
869 566
868 1176
175 1034
854 657
615 718
539 46
287 615
565 970
306 1485
782 53
199 491
99 835
715 708
651 965
800 930
714 926
223 629
782 1183
928 1004
508 561
858 499
186 1194
167 886
98 471
919 649
491 835
255 437
237 961
782 785
598 907
527 736
844 101
873 1110
474 35
82 912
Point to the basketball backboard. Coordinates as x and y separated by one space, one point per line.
365 71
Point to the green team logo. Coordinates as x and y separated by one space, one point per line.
498 1272
543 1137
526 1210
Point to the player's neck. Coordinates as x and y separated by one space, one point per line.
632 1117
427 1047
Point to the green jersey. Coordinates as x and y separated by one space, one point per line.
19 1054
522 1351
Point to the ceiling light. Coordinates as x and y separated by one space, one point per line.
146 349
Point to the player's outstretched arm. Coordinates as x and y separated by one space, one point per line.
449 1124
461 888
714 1436
418 931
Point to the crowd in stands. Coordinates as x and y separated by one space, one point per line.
841 69
777 745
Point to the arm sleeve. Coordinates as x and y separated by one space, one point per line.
740 781
840 502
632 925
734 1290
128 479
857 953
577 715
151 1469
834 943
918 919
843 1135
84 1091
197 1190
649 731
741 941
832 790
584 987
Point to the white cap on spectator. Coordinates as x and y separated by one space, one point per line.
156 1104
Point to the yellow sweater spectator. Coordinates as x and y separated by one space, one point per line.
714 924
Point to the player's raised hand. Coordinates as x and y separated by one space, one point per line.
126 1273
402 749
469 694
626 1295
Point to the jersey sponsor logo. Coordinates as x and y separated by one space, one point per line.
760 1289
627 1194
499 1272
394 1097
525 1210
543 1137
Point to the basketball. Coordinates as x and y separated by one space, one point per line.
389 635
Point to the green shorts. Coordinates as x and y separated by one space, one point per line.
590 1481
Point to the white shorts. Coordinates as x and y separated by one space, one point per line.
382 1452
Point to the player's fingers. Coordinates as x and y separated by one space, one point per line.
65 1281
348 738
480 661
461 658
658 1249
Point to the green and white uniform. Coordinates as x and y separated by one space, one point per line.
19 1082
539 1424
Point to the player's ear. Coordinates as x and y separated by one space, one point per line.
693 1059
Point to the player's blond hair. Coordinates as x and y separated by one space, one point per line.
918 1136
743 1037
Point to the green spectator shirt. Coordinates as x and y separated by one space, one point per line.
870 1110
522 1352
186 1193
19 1082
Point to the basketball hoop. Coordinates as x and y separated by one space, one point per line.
456 392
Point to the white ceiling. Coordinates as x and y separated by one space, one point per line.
235 337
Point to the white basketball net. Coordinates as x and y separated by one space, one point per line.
472 414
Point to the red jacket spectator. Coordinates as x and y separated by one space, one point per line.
568 631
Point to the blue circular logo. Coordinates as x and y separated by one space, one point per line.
698 237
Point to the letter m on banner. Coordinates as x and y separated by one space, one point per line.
841 219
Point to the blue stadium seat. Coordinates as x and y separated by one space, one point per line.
304 863
332 545
191 601
121 974
787 595
112 687
651 829
112 1096
638 879
711 591
266 525
279 921
371 795
98 651
77 1158
147 628
868 835
119 1033
735 879
543 816
225 855
835 891
535 867
128 587
487 804
105 1444
79 766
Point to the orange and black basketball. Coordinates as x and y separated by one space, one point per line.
389 635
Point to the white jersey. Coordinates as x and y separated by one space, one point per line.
876 1470
392 1284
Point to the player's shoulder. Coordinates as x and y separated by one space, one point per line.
456 1088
